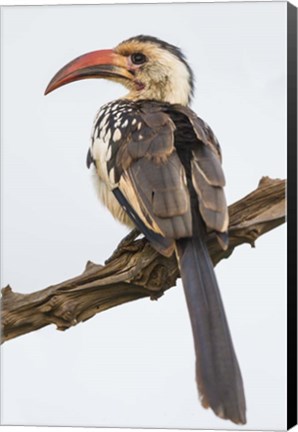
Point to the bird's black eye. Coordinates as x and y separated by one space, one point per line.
138 58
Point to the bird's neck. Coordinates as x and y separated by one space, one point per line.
164 93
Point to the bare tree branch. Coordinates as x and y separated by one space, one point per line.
135 270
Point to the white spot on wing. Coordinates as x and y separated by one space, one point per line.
117 135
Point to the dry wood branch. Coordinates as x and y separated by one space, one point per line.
135 270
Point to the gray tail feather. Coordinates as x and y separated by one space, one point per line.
217 371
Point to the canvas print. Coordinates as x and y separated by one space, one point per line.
145 158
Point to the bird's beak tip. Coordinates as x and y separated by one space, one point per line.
53 85
47 90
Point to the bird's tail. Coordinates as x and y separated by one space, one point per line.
217 371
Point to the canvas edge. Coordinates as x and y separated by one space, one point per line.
292 215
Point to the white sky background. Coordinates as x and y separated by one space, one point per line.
134 365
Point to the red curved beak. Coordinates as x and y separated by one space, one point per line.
96 64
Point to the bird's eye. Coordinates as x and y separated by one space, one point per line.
138 58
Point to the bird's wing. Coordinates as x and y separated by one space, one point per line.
151 164
154 180
204 158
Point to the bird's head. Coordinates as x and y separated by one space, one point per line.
147 66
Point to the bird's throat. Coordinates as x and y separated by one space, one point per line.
164 92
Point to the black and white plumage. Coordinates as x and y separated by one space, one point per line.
158 167
125 133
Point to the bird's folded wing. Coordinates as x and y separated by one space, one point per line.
153 178
206 172
154 183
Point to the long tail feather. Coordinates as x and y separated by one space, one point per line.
217 371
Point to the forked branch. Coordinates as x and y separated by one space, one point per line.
135 270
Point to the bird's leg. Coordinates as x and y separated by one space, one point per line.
125 243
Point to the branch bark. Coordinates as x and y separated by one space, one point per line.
134 270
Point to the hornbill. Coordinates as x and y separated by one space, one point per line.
158 168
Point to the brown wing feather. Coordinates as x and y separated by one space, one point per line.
207 174
202 130
154 178
153 143
163 194
208 180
